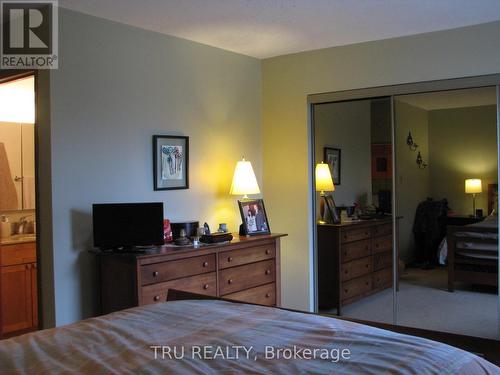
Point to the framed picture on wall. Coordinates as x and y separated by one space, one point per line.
170 162
332 157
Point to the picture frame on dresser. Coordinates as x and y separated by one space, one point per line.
170 162
254 217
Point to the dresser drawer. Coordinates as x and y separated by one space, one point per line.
356 287
382 230
351 235
356 250
382 260
248 276
382 244
244 256
382 279
22 253
262 295
175 269
356 268
201 284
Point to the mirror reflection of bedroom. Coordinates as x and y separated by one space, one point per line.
355 259
446 183
442 205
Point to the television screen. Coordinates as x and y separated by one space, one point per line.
127 224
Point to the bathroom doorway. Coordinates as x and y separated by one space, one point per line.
18 207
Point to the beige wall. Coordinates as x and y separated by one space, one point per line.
412 183
462 145
115 88
286 82
347 126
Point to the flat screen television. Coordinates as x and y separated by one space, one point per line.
127 225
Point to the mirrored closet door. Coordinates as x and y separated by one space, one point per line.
447 198
406 206
353 181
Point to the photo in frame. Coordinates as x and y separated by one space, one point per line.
332 157
331 214
253 216
170 162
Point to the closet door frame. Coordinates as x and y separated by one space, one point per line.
492 80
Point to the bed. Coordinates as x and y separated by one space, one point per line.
136 341
473 253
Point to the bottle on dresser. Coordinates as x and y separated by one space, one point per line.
5 227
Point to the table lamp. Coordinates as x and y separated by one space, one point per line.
473 186
324 183
244 181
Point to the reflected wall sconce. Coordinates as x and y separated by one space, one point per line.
420 162
411 144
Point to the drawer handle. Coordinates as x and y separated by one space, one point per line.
367 233
346 290
367 247
367 266
205 264
268 251
376 245
268 295
156 298
346 272
230 259
155 274
205 286
230 281
268 272
367 283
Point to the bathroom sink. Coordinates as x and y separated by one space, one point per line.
20 238
30 236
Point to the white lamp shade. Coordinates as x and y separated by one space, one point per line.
17 101
324 180
244 181
473 186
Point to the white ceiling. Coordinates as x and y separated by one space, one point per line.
452 99
266 28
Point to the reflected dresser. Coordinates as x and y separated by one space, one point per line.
354 261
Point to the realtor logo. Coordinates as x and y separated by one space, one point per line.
29 34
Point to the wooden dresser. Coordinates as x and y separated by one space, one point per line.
247 269
354 261
18 288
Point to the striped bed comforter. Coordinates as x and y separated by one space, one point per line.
214 337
